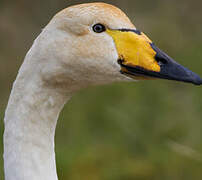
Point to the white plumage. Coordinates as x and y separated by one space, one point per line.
66 57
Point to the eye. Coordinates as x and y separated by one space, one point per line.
99 28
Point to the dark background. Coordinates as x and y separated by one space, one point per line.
150 130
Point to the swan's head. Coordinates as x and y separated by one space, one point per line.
96 43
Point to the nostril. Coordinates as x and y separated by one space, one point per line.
161 60
161 57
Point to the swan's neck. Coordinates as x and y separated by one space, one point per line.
30 123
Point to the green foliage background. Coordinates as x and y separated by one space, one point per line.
149 130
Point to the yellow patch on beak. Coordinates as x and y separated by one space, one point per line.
135 50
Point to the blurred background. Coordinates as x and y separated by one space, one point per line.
128 131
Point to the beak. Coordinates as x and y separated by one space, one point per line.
139 58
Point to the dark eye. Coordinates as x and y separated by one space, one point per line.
99 28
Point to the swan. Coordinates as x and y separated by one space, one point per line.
83 45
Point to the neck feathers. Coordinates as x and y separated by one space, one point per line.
30 122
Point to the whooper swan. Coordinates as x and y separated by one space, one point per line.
83 45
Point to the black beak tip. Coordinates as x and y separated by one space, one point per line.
192 77
197 80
